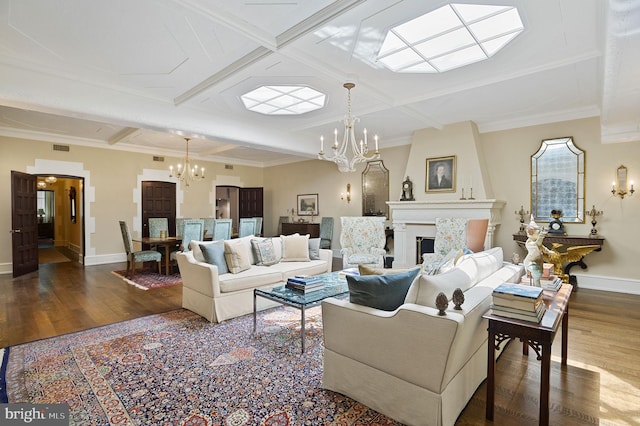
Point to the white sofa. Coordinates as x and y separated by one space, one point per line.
411 364
218 297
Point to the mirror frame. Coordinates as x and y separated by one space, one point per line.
368 191
545 166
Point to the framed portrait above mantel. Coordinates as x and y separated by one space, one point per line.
307 205
441 174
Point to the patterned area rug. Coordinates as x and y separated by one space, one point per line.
177 368
147 280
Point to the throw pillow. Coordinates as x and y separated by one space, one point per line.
314 248
295 248
213 254
237 255
194 246
384 292
370 270
264 252
427 287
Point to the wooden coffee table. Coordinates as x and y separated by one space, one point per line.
335 284
538 336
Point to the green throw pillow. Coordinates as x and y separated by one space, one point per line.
213 254
384 292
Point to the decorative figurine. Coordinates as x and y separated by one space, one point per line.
516 259
407 190
458 299
442 303
533 261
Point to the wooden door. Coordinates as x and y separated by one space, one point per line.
24 223
250 202
158 200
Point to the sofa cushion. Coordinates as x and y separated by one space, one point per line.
488 262
213 254
385 292
237 255
425 289
254 277
314 248
290 269
264 252
247 242
295 248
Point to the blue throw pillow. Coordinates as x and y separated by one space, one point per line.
384 292
213 254
314 249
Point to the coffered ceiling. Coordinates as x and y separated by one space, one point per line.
140 75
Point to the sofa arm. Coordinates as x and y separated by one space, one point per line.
327 256
199 276
412 343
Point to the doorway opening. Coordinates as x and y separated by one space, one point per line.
60 219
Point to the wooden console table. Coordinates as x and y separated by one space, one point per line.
313 229
567 241
538 336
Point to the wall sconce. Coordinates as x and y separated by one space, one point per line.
347 195
621 182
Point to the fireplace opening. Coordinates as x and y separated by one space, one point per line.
423 245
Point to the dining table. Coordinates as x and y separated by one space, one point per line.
166 242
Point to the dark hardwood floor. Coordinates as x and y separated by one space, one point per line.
600 385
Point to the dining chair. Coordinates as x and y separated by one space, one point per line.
258 225
157 225
193 231
247 226
222 229
136 256
179 226
326 232
208 226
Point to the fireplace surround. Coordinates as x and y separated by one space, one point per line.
414 219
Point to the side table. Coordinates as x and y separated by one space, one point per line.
538 336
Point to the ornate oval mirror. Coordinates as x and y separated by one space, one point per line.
375 189
557 180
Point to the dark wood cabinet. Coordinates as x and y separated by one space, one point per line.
313 229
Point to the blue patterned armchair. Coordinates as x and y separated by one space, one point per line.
362 240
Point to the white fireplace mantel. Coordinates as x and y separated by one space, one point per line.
413 219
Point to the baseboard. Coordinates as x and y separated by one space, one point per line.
614 284
104 259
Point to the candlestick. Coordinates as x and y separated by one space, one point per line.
376 139
321 144
462 198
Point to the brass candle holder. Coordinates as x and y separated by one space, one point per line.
523 214
593 213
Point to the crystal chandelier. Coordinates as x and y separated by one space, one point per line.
186 173
359 149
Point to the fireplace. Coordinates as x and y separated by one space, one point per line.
417 219
423 245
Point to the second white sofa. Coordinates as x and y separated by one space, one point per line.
411 364
220 296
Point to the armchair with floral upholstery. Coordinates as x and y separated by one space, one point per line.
362 240
454 237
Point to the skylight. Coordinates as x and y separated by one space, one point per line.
449 37
283 100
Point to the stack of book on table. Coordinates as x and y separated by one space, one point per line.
552 283
305 283
518 301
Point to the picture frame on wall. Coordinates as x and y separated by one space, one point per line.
441 174
307 205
